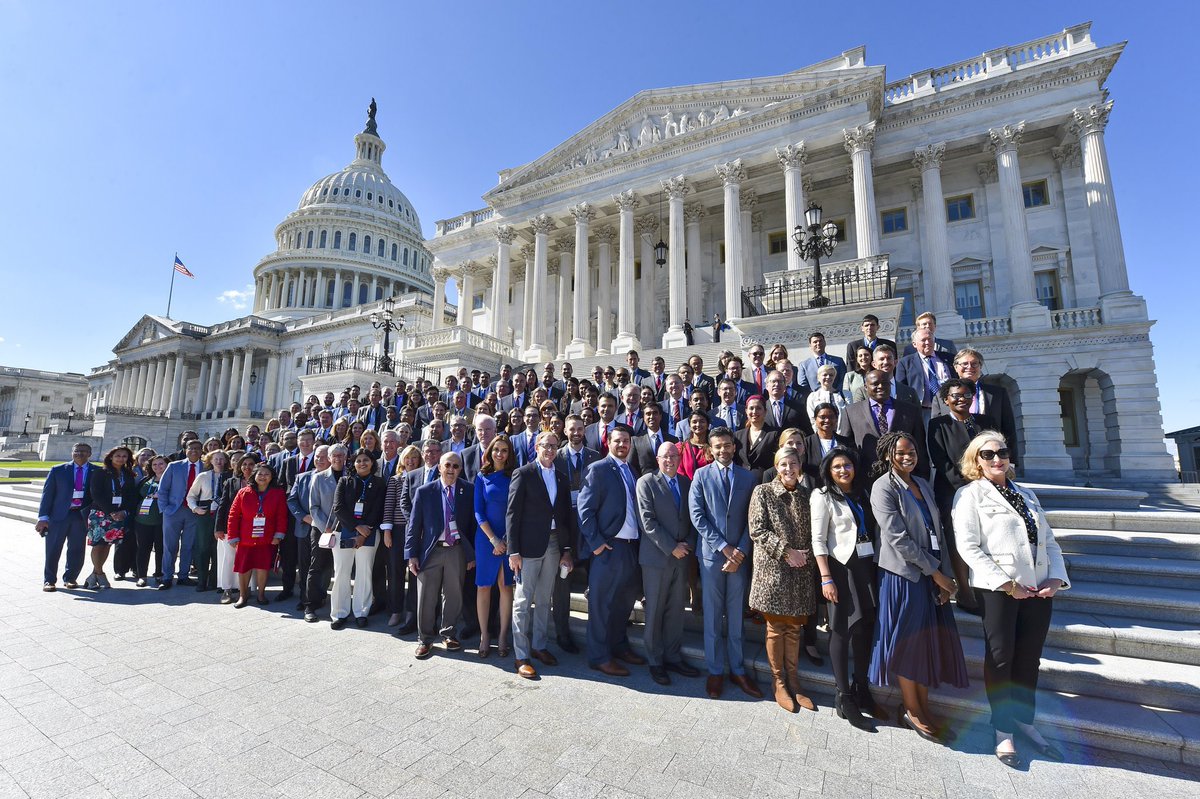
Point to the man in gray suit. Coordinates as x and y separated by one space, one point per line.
320 508
668 538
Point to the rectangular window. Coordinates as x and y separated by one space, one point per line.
477 301
777 243
906 310
968 299
1048 294
1036 194
45 398
960 208
841 228
895 220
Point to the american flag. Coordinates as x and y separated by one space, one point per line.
181 269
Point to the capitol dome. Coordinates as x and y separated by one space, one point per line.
353 239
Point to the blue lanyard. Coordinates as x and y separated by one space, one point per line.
860 517
261 496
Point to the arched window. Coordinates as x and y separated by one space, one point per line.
329 289
370 196
291 293
353 242
378 293
367 245
324 236
380 248
358 193
347 294
362 293
310 239
394 248
337 239
406 256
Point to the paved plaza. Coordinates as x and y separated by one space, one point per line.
134 693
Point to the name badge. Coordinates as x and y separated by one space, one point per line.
453 527
116 500
77 495
358 510
574 499
865 549
933 543
260 526
146 504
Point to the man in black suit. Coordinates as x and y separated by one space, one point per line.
733 371
644 457
397 510
870 327
472 456
562 386
674 405
630 412
991 401
636 373
596 435
374 415
866 421
573 460
542 532
730 411
657 379
289 555
781 412
700 381
519 398
943 346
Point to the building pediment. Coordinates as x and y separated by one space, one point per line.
147 330
657 119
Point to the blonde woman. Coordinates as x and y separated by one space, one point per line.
201 498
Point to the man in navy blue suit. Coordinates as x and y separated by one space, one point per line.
66 497
808 368
608 523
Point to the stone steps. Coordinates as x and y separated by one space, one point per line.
1134 601
1140 521
1140 545
1114 569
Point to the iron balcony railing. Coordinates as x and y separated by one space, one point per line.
837 287
363 362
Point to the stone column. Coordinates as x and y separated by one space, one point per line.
220 383
337 289
440 273
268 288
229 400
141 388
155 401
271 387
750 268
692 214
677 189
627 301
1085 281
580 346
605 236
566 271
527 252
1027 313
537 350
505 235
732 173
1117 302
374 288
178 381
243 392
939 281
792 159
859 142
200 405
463 282
118 385
647 291
214 380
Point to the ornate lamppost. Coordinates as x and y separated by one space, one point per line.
25 430
70 417
814 241
387 321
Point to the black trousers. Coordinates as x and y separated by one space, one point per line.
320 570
380 578
1014 632
401 584
303 563
125 555
149 536
288 557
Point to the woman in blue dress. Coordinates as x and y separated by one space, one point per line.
916 641
491 551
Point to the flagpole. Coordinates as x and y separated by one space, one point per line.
171 291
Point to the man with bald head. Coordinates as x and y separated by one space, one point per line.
869 419
485 431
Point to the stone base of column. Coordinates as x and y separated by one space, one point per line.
625 343
579 349
536 354
1123 306
951 325
673 339
1028 317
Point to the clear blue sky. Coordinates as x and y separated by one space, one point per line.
134 130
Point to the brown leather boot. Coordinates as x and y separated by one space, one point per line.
776 641
791 652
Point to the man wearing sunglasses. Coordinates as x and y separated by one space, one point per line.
991 401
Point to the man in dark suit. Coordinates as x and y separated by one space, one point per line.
644 454
472 456
542 532
808 368
636 373
942 346
289 548
374 415
781 412
700 381
397 510
573 460
924 371
438 544
596 434
608 522
656 380
524 442
730 412
62 516
630 412
870 327
562 386
668 538
756 373
991 401
733 371
867 420
699 403
674 404
884 359
519 397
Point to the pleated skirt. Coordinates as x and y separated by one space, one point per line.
915 637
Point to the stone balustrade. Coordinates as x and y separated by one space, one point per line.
468 219
993 326
1072 318
456 336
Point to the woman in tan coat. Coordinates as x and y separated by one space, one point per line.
783 582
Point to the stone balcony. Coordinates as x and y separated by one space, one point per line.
455 345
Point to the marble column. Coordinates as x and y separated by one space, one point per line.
154 401
1027 313
229 400
440 274
174 407
505 235
537 349
268 285
271 387
580 346
566 284
527 252
694 299
374 288
792 159
337 289
605 236
118 385
243 392
627 300
750 268
200 401
647 228
462 282
677 189
220 383
1086 283
732 173
936 272
209 400
859 143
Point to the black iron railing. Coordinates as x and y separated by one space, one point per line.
837 287
363 362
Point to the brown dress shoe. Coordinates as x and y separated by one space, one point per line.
525 669
747 685
612 669
714 686
631 657
545 656
424 650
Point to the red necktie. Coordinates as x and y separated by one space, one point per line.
758 378
678 409
604 438
191 475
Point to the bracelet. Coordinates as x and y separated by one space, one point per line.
826 582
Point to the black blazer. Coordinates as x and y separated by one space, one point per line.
857 424
813 457
527 521
851 361
291 469
794 415
759 457
997 411
948 439
575 476
347 493
643 458
703 383
104 486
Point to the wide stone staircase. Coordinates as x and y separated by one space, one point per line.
1121 667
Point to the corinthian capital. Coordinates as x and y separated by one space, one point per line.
542 223
440 274
1066 155
676 188
584 212
626 200
605 234
693 212
564 244
859 138
552 268
646 224
527 252
731 172
1092 119
518 272
1007 138
506 234
793 156
748 199
986 171
929 157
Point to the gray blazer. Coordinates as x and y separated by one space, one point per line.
320 500
663 525
904 545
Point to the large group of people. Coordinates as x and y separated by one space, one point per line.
872 491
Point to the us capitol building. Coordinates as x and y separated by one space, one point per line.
980 191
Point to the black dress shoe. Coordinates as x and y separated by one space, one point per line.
408 628
337 624
568 646
682 669
164 585
284 596
361 621
186 581
659 675
310 617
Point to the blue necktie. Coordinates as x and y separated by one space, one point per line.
725 480
675 492
932 382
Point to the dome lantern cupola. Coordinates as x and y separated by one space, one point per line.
369 147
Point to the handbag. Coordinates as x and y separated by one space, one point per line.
328 540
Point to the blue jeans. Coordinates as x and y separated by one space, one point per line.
724 598
179 533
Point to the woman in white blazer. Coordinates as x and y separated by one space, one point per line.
202 498
1016 568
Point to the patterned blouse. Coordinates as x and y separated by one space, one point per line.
1018 502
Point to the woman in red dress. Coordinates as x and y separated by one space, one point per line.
257 523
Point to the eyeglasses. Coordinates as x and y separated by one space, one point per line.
988 454
451 466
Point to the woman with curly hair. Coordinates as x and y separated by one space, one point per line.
115 498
